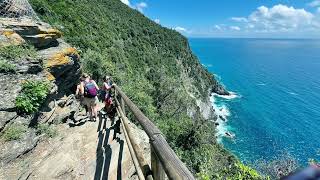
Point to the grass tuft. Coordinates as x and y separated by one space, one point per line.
14 132
7 67
19 52
46 129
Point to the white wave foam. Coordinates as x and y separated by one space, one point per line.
261 84
222 113
293 93
232 95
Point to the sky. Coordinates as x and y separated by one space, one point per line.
235 18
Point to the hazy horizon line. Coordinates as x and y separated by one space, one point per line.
275 38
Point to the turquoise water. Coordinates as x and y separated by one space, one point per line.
278 86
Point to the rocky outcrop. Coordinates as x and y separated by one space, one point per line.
40 34
219 89
9 37
56 62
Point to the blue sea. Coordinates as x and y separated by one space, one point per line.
276 105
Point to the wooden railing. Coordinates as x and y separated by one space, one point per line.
164 161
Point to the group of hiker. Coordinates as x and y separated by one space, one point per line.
88 92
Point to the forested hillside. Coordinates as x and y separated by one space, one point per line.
156 68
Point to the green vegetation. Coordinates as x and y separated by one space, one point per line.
314 162
240 172
31 97
153 65
244 172
18 52
8 54
14 132
47 130
277 167
7 67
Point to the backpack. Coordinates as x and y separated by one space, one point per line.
90 90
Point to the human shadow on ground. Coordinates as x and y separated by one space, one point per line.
104 151
119 168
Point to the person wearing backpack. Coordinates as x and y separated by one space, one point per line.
89 90
106 88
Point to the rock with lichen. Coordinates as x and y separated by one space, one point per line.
55 62
39 34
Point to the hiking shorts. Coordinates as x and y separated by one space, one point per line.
90 101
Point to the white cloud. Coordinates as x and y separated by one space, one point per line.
138 6
141 6
235 28
239 19
127 2
279 18
157 21
218 27
180 29
314 3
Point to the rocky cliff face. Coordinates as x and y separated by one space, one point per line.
55 62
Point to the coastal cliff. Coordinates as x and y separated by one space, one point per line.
153 65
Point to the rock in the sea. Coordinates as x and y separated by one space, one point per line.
222 118
229 134
219 89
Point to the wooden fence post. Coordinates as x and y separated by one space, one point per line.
122 106
157 169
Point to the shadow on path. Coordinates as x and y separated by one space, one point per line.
104 150
119 168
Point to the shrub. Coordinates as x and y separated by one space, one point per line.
6 67
239 171
18 52
46 129
14 132
246 172
277 167
31 97
203 176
